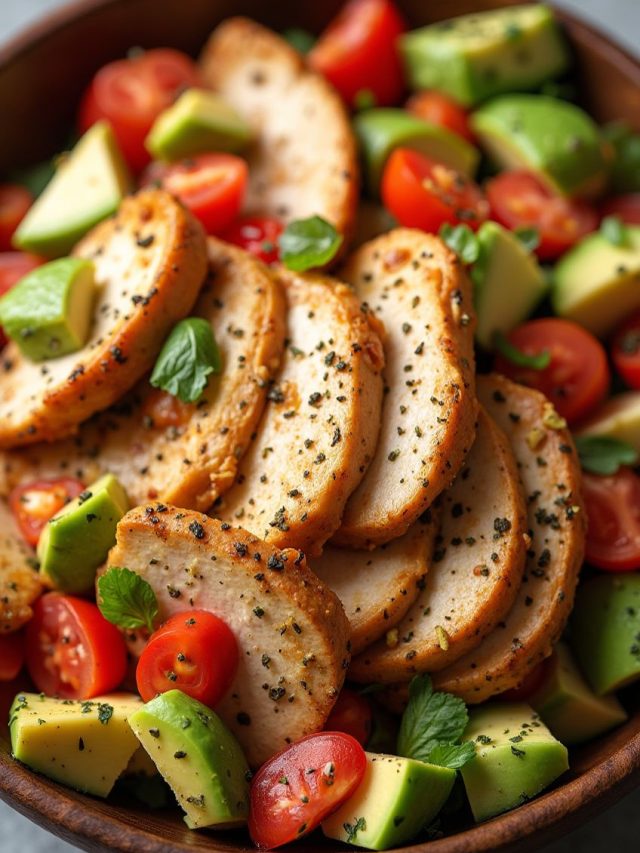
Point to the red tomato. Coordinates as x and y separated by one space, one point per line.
15 201
258 235
625 351
441 110
131 93
357 52
613 512
351 714
520 200
421 193
627 207
302 785
530 684
577 377
72 651
212 186
33 504
194 651
11 655
13 267
163 410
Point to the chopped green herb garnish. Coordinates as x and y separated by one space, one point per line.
522 359
600 454
308 243
461 240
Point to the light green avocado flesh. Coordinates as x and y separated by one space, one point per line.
618 417
197 122
380 131
396 798
597 283
508 282
76 541
516 758
87 187
605 630
86 745
477 56
553 138
48 312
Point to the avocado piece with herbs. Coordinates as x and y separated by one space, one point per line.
516 758
88 186
76 541
198 121
198 757
395 800
556 140
477 56
48 312
605 630
87 745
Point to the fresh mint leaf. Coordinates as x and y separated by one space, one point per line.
189 355
301 39
461 240
308 243
522 359
430 719
600 454
614 231
452 755
126 599
529 237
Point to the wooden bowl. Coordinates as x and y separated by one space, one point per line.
42 73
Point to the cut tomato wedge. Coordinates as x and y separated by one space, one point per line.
351 714
33 504
613 512
258 235
441 110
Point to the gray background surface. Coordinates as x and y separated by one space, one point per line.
617 830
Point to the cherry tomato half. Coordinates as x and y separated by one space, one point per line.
357 52
11 655
162 410
131 93
302 785
194 651
625 351
15 201
613 512
520 200
351 714
212 186
441 110
72 651
33 504
424 194
258 235
577 377
627 207
13 267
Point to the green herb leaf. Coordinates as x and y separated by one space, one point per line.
188 356
301 39
522 359
308 243
600 454
364 99
614 231
529 237
452 755
461 240
126 599
352 829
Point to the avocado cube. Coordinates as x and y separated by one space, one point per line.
198 757
605 630
86 745
553 138
48 312
625 169
516 758
87 186
618 417
76 541
474 57
198 121
395 800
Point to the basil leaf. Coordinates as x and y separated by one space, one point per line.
126 599
461 240
614 231
430 720
529 237
308 243
452 755
600 454
301 39
188 356
522 359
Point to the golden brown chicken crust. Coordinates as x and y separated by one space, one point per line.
19 581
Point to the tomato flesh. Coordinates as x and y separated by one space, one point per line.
71 649
613 514
625 351
11 655
33 504
351 714
195 652
302 785
441 110
577 377
257 235
13 267
15 201
626 207
162 410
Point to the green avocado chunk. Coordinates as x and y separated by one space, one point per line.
508 282
198 121
567 704
516 758
48 312
605 630
87 186
477 56
597 283
618 417
76 541
86 745
198 757
553 138
380 130
625 169
396 798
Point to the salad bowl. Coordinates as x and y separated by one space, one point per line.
43 72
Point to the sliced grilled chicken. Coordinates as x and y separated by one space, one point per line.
19 581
